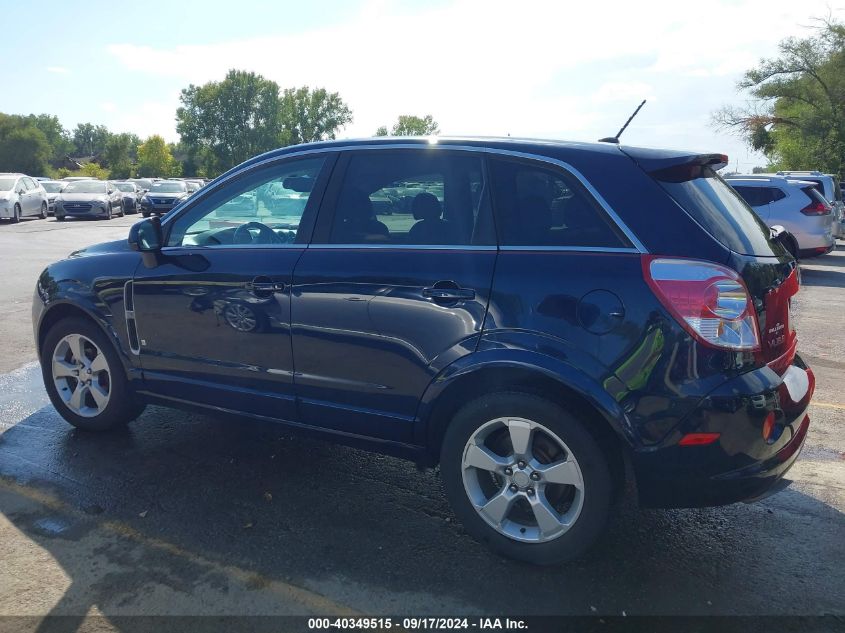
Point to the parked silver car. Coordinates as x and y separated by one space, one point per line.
21 196
828 186
796 205
53 189
89 199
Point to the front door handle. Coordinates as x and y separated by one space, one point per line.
448 294
264 286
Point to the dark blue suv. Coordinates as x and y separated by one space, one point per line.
547 321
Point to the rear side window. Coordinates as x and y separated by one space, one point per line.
538 206
758 196
413 197
719 209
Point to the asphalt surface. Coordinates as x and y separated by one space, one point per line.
187 514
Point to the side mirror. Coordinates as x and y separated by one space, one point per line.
111 191
145 237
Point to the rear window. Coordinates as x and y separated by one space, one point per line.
719 209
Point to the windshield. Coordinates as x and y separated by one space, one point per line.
717 207
85 186
123 186
6 184
52 187
168 187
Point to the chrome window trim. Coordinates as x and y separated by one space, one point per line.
413 247
434 146
574 249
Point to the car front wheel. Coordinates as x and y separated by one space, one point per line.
43 214
525 477
16 214
84 377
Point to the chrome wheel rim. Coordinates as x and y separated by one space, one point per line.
522 480
81 375
240 317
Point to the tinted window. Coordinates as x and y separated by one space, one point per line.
52 187
85 186
717 207
539 206
168 187
754 196
264 207
414 197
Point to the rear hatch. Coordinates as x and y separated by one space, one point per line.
769 272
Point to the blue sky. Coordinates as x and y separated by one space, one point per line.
532 68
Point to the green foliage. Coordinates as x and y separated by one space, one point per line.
312 115
411 125
118 154
222 124
23 147
798 117
234 119
63 172
154 158
57 136
94 171
90 139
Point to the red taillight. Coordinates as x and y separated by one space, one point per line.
698 439
816 208
710 301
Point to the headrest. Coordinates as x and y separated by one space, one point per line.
426 206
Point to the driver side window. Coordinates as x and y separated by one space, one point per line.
263 208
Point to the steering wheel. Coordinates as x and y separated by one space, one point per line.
265 235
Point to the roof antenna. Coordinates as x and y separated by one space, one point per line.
615 139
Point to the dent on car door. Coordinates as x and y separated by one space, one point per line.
393 287
214 316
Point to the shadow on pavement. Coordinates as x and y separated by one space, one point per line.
377 534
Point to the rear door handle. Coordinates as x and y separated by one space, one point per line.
449 294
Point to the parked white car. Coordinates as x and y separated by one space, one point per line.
796 205
21 196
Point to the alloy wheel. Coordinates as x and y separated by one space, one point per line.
522 480
81 375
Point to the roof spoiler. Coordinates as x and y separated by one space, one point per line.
657 160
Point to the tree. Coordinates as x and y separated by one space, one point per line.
410 125
154 159
90 139
312 115
797 116
57 136
118 152
234 119
23 147
94 171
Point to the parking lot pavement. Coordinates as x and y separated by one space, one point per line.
26 249
183 513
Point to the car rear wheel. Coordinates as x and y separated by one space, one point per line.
526 478
43 214
16 214
85 378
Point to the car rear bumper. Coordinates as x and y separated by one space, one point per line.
741 465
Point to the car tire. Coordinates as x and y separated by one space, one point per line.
109 216
43 214
106 402
16 214
527 530
122 210
60 218
145 214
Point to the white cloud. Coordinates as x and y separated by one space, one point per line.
108 106
61 70
545 68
